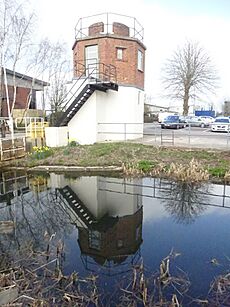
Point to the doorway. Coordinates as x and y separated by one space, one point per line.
91 61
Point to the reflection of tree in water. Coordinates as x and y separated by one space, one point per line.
183 200
33 216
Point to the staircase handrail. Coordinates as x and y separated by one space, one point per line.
85 80
104 72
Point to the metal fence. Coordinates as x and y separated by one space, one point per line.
105 22
152 134
191 137
213 195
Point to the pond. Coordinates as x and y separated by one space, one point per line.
107 226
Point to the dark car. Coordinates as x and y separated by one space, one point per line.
173 122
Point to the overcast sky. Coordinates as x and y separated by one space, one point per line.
167 24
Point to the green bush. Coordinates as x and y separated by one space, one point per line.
145 165
73 143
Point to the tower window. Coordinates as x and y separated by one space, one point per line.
120 53
140 60
95 239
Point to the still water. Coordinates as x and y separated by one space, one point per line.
107 224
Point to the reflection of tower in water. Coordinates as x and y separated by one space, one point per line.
109 222
113 243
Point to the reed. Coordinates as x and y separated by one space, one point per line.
193 172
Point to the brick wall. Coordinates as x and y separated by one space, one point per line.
120 29
124 231
21 99
96 28
127 72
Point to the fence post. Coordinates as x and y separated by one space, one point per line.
24 143
125 130
228 137
189 133
1 150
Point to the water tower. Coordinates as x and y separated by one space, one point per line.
107 92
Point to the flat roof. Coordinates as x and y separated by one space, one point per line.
25 77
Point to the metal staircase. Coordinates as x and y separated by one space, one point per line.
77 206
100 79
102 224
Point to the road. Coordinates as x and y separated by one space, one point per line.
189 136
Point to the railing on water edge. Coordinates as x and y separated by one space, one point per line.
12 148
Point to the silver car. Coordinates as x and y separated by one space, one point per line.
196 121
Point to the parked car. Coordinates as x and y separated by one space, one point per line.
221 124
207 119
174 122
162 116
196 121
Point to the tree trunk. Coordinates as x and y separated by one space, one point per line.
185 104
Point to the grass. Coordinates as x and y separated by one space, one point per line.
145 165
143 159
218 171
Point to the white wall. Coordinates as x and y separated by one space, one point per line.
109 115
104 195
56 181
120 114
119 198
82 127
56 136
86 190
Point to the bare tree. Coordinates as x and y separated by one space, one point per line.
5 8
185 201
15 34
21 32
58 77
50 61
47 60
189 73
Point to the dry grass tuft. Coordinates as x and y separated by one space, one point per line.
193 172
227 176
219 294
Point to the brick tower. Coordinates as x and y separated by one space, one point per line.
112 44
109 61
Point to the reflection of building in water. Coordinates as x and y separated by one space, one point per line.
16 183
12 183
114 242
109 222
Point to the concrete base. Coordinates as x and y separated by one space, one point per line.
109 116
56 136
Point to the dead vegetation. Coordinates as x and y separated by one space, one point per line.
37 279
193 172
137 159
190 172
219 294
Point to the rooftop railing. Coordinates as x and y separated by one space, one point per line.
106 23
